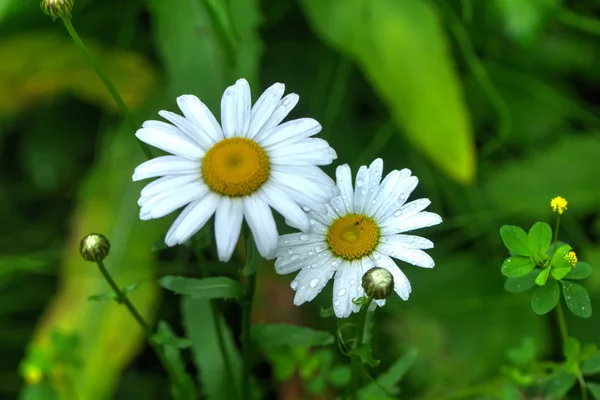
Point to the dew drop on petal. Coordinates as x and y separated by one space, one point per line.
341 292
295 257
294 284
352 282
336 303
304 237
314 282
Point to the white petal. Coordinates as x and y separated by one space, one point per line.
171 142
385 190
401 283
311 151
301 190
192 219
198 113
281 111
292 257
228 223
291 132
343 177
417 221
313 173
235 109
412 256
345 289
407 241
367 183
291 211
188 128
401 192
166 184
311 281
166 165
264 108
261 222
167 202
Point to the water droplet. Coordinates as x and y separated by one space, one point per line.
286 242
359 183
304 237
295 257
306 209
377 257
320 248
336 303
352 282
290 251
314 282
294 284
341 292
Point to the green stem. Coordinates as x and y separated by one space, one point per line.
246 344
123 299
107 82
564 333
556 228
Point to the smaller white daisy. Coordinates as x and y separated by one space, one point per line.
362 229
237 170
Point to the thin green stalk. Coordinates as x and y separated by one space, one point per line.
123 299
556 228
246 343
578 21
107 82
564 333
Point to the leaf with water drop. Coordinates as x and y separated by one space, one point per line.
581 271
522 283
516 241
545 298
577 299
515 267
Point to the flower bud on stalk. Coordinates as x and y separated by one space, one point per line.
94 247
57 8
378 283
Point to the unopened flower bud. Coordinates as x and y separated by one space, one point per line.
378 283
94 247
57 8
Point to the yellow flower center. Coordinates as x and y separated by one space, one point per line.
353 236
558 204
571 257
235 167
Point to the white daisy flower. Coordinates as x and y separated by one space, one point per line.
235 170
361 229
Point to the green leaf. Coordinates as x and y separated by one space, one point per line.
581 271
252 258
515 267
542 277
571 348
558 384
594 389
577 299
220 287
277 335
545 297
516 240
103 297
540 237
182 385
522 283
403 51
364 352
588 351
523 354
132 287
390 378
340 376
591 366
200 326
560 266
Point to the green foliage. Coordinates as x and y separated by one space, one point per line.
591 366
220 287
405 56
560 266
522 283
386 383
577 299
594 389
517 242
276 335
252 258
581 270
545 297
539 238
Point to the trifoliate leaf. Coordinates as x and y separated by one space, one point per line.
522 283
545 297
542 277
220 287
577 299
515 267
581 270
276 335
560 266
516 240
540 237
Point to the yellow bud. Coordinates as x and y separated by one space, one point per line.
558 204
571 257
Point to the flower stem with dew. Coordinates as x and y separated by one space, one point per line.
107 82
123 299
246 344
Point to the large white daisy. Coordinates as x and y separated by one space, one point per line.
235 170
361 229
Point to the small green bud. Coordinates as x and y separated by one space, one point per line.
378 283
94 247
57 8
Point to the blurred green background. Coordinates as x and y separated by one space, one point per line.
493 104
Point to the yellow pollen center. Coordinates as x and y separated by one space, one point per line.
235 167
353 236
